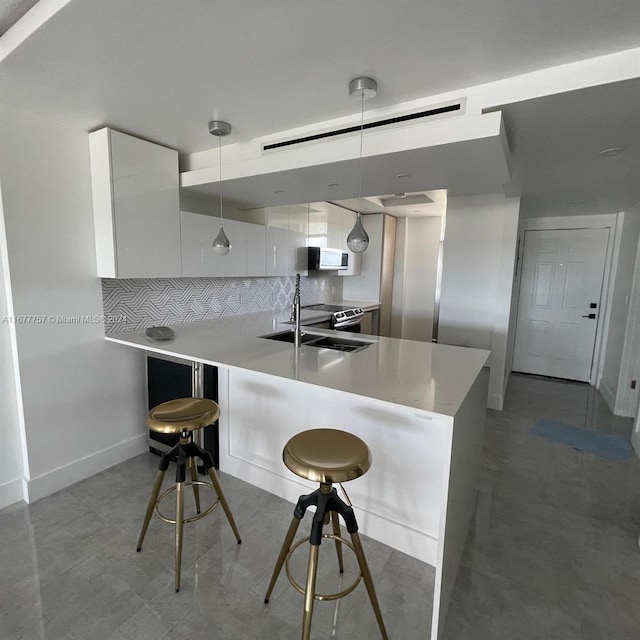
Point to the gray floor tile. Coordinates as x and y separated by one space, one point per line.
552 553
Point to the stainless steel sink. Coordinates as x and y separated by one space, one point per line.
323 342
340 344
287 336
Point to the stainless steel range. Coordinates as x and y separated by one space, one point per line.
342 318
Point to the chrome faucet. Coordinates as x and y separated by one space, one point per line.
295 314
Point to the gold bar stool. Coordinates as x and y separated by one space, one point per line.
182 417
325 456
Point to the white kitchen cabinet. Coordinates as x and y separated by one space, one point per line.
135 206
375 282
340 221
235 262
256 250
198 232
283 251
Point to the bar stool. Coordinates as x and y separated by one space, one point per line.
326 456
182 417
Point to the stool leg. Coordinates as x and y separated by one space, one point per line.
223 501
310 591
194 478
150 507
336 532
368 581
179 529
286 545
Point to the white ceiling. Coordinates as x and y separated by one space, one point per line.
162 70
555 149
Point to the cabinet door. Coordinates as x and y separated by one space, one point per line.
278 262
145 208
256 250
283 250
235 262
196 229
336 235
198 258
299 256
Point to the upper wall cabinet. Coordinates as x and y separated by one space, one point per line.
248 249
136 206
283 252
330 227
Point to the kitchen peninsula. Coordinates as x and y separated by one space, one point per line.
419 406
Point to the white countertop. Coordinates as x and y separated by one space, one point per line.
422 376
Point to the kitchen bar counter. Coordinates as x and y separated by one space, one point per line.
420 407
419 375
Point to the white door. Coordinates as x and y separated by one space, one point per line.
559 306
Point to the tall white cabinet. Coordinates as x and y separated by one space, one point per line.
136 206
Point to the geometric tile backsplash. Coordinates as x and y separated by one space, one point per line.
135 304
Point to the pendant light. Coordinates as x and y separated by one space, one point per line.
221 245
364 88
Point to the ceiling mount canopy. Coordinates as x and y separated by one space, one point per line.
363 89
220 128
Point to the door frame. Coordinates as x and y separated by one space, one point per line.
611 221
625 402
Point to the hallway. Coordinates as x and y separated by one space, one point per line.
554 551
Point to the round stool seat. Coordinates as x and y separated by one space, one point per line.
327 456
183 414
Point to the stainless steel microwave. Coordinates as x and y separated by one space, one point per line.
320 259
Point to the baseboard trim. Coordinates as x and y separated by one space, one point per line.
608 395
414 543
73 472
11 492
495 401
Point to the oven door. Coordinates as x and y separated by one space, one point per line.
352 325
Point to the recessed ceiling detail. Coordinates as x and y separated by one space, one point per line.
406 200
454 108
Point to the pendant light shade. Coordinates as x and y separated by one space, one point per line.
358 239
221 245
362 88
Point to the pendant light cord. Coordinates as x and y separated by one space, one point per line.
220 175
361 136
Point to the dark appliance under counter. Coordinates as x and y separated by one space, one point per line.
170 378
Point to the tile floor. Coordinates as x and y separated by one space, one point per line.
552 553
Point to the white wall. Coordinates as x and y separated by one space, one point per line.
83 399
12 467
477 280
414 277
610 382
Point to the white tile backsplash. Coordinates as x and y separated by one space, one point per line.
135 304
